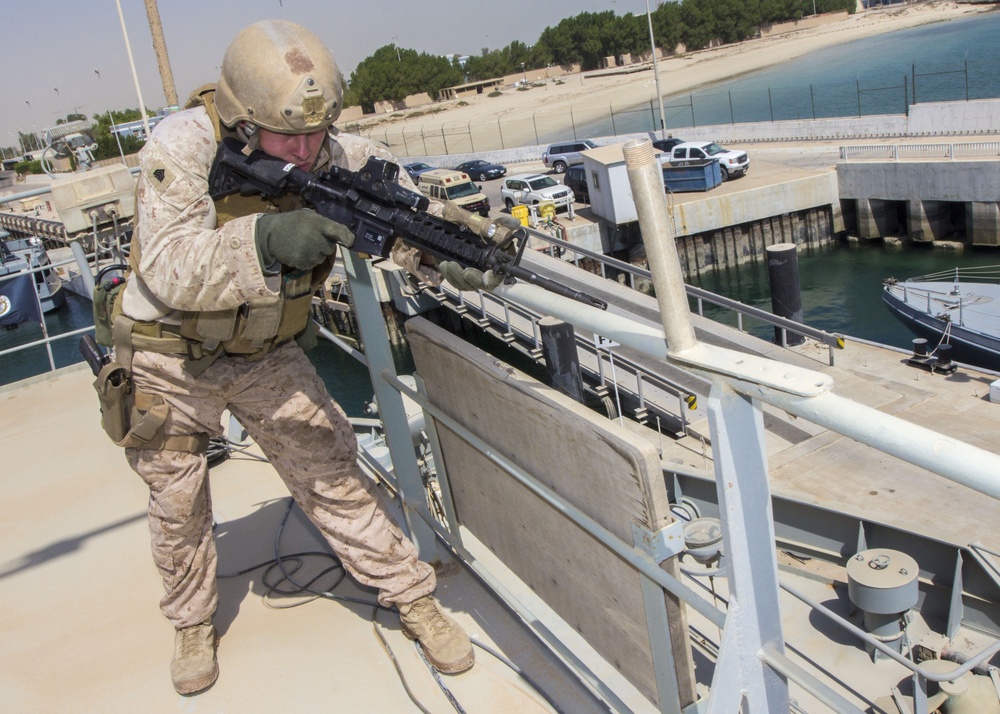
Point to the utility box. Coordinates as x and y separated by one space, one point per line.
98 195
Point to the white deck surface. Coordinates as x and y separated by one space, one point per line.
81 627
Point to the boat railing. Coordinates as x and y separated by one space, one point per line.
699 296
47 340
971 274
897 152
951 301
514 322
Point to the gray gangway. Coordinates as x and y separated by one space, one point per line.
652 392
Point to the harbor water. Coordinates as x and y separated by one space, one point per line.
954 60
841 286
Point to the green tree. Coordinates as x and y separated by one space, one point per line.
699 24
392 74
107 145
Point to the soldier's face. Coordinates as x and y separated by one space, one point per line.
299 149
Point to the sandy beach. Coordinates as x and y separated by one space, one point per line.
593 96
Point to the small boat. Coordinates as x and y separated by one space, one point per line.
20 254
959 307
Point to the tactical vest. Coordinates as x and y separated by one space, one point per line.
256 327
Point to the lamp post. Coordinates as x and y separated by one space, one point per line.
656 74
135 76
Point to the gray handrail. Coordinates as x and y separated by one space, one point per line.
832 340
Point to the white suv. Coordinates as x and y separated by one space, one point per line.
531 189
731 163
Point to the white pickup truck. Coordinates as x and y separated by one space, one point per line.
731 163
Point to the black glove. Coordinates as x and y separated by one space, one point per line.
300 239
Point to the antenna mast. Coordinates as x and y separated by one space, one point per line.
160 48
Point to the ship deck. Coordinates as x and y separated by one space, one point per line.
82 630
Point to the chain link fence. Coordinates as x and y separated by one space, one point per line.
588 118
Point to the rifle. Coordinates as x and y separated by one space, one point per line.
378 211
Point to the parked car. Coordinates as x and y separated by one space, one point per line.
532 189
576 179
559 157
457 187
731 163
417 168
667 145
482 170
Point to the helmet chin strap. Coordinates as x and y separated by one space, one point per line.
249 133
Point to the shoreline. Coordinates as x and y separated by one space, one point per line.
684 73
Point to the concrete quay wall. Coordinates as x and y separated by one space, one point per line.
747 242
926 201
713 212
727 230
927 180
947 200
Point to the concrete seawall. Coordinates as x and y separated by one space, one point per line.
973 118
727 230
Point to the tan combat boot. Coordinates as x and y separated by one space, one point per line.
194 666
444 641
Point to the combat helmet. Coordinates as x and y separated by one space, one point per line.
280 76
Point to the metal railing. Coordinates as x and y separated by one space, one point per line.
47 340
516 324
950 300
699 296
986 150
911 447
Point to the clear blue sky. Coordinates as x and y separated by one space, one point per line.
51 45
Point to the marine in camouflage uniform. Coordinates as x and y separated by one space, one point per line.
206 327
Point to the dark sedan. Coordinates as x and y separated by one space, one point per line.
666 145
480 170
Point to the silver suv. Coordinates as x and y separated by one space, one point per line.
531 189
559 156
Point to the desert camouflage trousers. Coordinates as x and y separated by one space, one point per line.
284 406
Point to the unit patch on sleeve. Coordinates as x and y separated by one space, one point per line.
159 177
